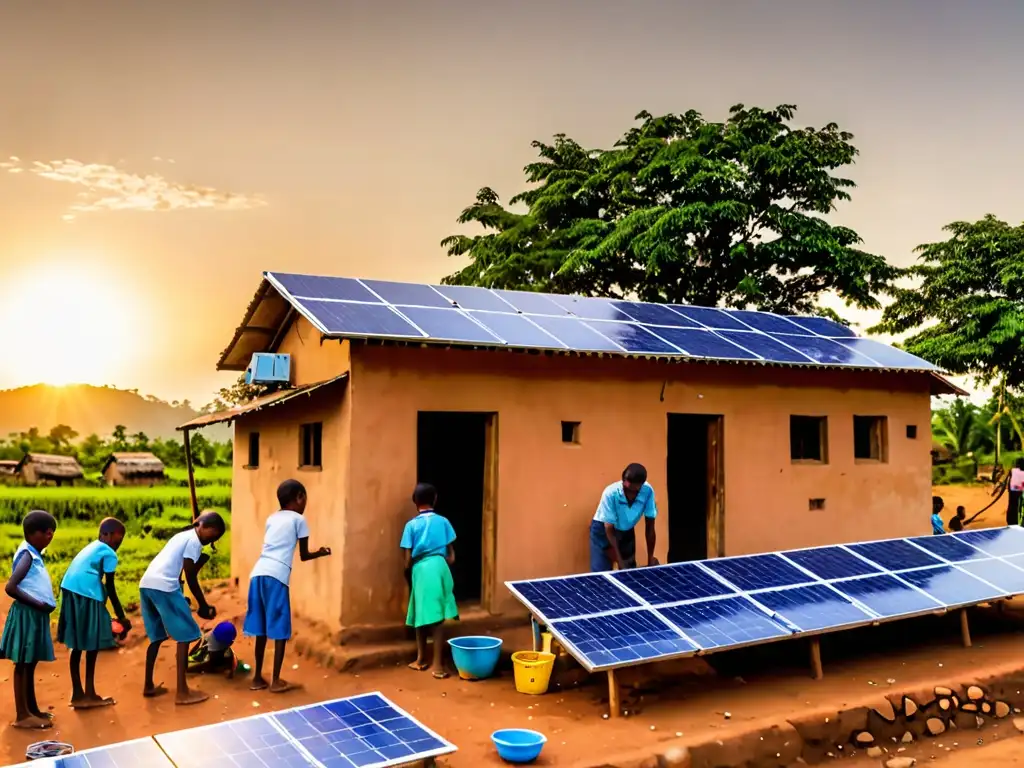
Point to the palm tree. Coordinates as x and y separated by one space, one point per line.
961 429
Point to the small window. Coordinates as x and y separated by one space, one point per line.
808 439
254 450
912 431
310 449
571 432
869 438
815 504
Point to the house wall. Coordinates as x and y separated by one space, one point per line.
315 586
548 490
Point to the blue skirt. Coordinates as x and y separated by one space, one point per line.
269 613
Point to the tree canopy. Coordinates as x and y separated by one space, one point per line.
965 308
681 210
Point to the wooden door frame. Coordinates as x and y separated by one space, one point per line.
716 486
489 542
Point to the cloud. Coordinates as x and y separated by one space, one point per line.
110 188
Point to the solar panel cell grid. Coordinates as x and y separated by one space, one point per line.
887 596
337 288
724 622
951 586
700 343
831 562
999 542
826 351
621 639
894 555
590 308
375 320
999 573
574 596
948 548
413 294
758 572
633 338
449 325
672 583
129 754
812 608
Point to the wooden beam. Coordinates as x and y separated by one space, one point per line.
816 671
191 476
965 629
614 695
259 329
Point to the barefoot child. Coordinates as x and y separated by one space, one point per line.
84 624
427 541
269 612
165 611
26 637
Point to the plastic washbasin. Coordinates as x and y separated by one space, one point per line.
476 656
517 745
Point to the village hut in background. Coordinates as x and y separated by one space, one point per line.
8 469
941 453
41 468
133 469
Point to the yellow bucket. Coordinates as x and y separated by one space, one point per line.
533 671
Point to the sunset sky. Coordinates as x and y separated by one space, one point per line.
156 157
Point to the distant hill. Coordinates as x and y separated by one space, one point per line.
88 409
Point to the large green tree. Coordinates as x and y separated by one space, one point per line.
965 307
681 210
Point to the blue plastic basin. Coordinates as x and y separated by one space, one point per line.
517 745
475 657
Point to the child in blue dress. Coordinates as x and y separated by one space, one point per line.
26 637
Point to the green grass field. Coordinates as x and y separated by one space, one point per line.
204 475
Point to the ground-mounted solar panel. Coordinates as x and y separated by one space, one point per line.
887 596
951 586
831 562
724 622
672 583
951 549
350 318
126 754
572 596
813 607
1006 574
999 542
894 554
449 325
621 639
254 741
752 572
826 351
702 343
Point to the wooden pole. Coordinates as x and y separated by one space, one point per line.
614 701
535 631
965 628
816 671
191 477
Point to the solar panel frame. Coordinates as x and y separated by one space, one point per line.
1006 541
984 592
629 599
929 605
746 605
559 630
863 616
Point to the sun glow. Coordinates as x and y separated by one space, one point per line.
65 323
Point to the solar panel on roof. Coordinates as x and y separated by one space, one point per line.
709 317
826 351
765 346
374 320
337 288
813 607
887 596
589 308
700 343
948 548
724 622
573 596
886 356
469 297
449 325
894 554
621 639
531 303
753 572
671 583
411 294
655 314
831 562
996 541
765 322
822 326
633 338
575 334
951 586
998 573
517 330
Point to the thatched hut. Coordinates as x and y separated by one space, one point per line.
39 468
941 454
133 469
8 469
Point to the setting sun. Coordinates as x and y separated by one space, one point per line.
68 323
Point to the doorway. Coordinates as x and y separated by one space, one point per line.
696 499
457 454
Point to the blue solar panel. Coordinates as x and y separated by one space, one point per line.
724 621
573 596
531 303
575 334
129 754
822 326
710 318
701 343
758 571
948 548
998 573
621 638
894 555
414 294
655 314
450 325
951 586
310 287
589 308
633 338
672 583
346 318
471 297
767 323
517 330
831 562
767 347
813 608
887 356
826 351
242 743
887 596
996 541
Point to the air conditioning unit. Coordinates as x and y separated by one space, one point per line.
269 369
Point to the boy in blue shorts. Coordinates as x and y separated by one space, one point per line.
84 624
165 611
269 612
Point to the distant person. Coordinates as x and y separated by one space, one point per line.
269 612
213 652
26 637
84 624
937 506
1016 489
612 535
429 544
165 611
956 523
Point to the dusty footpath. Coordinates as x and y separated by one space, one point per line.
672 706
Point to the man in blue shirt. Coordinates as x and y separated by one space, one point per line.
612 535
937 505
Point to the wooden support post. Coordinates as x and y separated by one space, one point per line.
965 628
191 476
535 628
614 700
816 670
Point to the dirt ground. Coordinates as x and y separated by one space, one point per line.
670 705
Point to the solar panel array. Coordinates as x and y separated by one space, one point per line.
621 618
347 307
365 731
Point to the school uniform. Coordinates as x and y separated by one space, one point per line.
84 624
432 597
269 610
614 508
26 637
937 526
165 611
